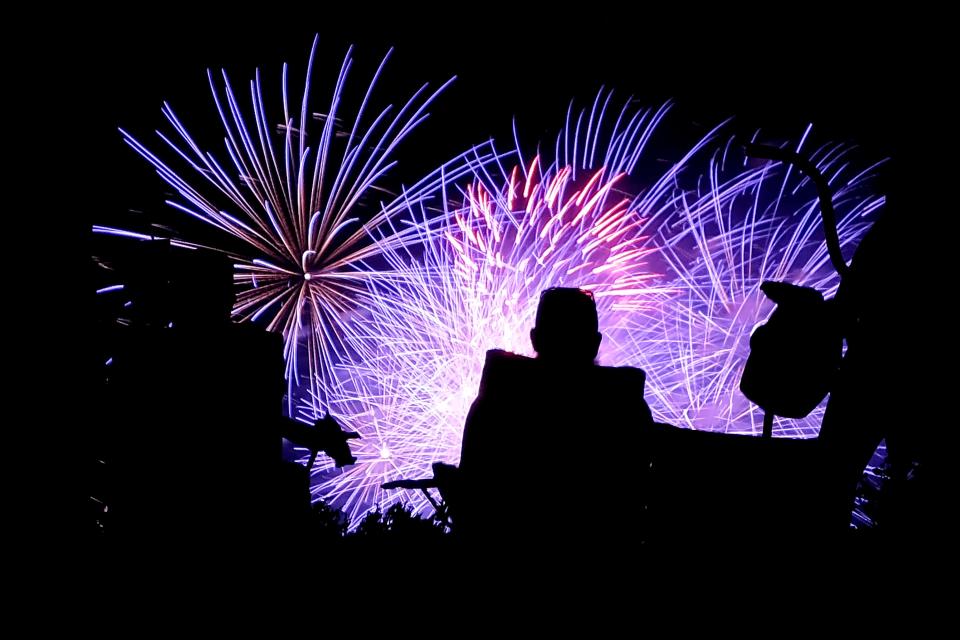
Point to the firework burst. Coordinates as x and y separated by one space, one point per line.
473 281
747 222
676 273
299 220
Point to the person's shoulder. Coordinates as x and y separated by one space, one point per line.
632 376
503 368
500 360
624 387
497 356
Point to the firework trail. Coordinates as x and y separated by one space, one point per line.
745 223
387 321
473 281
298 220
676 273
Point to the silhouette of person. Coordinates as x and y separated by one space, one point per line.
196 399
197 431
553 445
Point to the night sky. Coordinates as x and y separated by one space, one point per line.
873 80
858 78
877 79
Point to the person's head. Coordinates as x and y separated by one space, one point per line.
566 327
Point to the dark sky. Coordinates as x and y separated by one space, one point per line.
877 80
861 79
874 77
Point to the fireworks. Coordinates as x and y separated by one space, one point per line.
676 273
298 220
743 225
387 309
473 282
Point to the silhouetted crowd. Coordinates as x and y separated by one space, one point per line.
560 452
